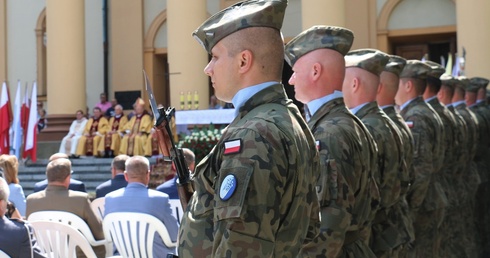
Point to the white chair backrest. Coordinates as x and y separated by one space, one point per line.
3 254
177 211
98 206
73 221
133 233
59 240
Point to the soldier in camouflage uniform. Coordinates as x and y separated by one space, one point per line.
255 191
456 240
481 156
471 177
444 176
480 107
425 197
347 190
360 86
386 99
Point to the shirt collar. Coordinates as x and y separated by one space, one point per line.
387 106
316 104
246 93
404 105
459 102
478 101
356 109
431 98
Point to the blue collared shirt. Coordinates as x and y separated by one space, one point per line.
387 106
246 93
316 104
356 109
478 101
431 98
406 103
457 103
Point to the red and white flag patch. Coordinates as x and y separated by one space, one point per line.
233 146
318 145
409 124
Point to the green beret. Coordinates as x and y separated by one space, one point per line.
436 70
415 69
371 60
395 65
330 37
478 82
448 80
462 82
245 14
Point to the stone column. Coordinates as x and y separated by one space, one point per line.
322 12
65 29
186 57
3 41
474 38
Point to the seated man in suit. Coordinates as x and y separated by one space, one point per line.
118 181
57 197
170 187
75 185
17 238
136 197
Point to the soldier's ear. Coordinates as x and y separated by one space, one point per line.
355 84
316 71
246 60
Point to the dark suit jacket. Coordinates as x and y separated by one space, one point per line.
169 187
14 239
75 185
137 198
110 185
58 198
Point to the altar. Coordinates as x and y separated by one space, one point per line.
184 118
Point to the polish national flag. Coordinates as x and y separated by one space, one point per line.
30 144
4 121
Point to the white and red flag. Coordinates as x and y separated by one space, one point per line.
30 144
4 120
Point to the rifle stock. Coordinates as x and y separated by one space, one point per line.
168 148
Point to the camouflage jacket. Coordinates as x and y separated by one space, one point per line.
347 190
449 142
255 191
389 142
401 211
483 143
427 135
462 156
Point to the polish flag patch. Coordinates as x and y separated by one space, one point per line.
318 145
409 124
233 146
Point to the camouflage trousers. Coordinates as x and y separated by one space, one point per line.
427 225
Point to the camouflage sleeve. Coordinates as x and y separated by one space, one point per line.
422 160
247 221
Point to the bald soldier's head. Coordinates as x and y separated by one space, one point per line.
388 86
137 170
317 74
360 86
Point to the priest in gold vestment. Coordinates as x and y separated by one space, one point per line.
109 146
94 132
136 131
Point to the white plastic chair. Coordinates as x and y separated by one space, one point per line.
98 206
133 233
177 211
59 240
74 221
3 254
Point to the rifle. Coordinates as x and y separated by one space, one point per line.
167 146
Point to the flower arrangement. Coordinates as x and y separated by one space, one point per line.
201 141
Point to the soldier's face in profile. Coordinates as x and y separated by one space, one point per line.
300 79
222 70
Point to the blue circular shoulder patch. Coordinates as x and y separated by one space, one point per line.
228 187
